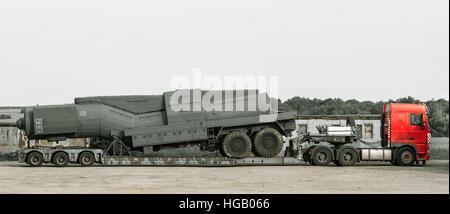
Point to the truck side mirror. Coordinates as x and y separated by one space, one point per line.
423 121
422 124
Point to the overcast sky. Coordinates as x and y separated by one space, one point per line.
53 51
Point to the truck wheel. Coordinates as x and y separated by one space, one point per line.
60 159
321 156
406 156
268 142
347 157
35 159
237 145
86 159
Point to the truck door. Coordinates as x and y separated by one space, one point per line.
400 130
417 133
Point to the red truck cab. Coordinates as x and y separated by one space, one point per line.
406 132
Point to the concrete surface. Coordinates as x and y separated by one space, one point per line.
373 177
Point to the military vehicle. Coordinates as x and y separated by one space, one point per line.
234 125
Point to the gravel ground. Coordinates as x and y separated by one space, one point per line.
366 177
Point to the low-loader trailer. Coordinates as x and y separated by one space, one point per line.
137 124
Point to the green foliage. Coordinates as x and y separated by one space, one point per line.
438 117
438 109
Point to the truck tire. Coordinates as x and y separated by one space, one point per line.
237 145
86 159
60 159
268 142
347 157
406 156
35 159
321 156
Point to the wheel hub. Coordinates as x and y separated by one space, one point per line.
347 157
237 145
269 142
60 160
86 159
35 160
406 157
322 157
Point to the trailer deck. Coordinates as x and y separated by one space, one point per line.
199 161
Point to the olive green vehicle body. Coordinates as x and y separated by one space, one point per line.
148 122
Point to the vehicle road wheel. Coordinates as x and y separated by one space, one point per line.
321 156
35 159
268 142
60 159
347 157
237 145
406 156
86 159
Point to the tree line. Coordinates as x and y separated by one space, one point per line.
438 109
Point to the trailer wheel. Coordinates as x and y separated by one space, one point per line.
406 156
237 145
321 156
60 159
35 159
268 142
347 157
86 159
